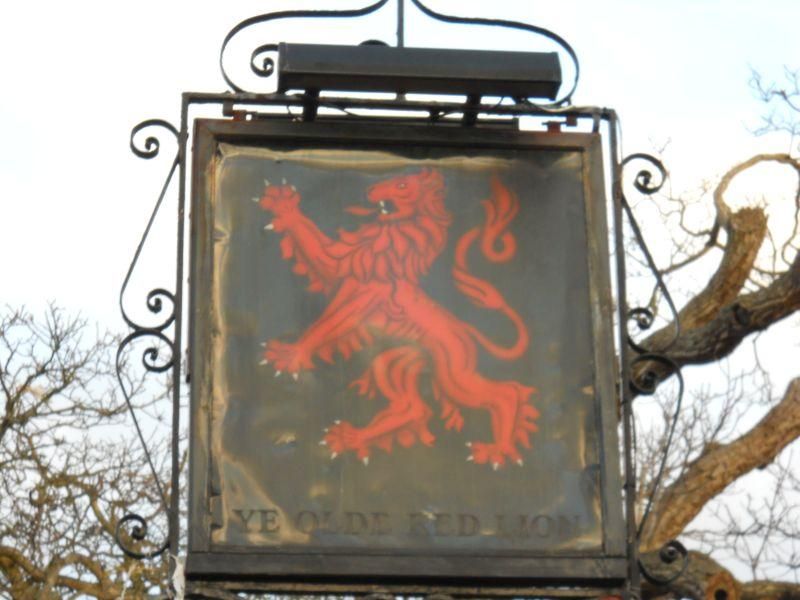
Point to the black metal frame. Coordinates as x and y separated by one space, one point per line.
239 104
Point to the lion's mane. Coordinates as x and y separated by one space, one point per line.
403 249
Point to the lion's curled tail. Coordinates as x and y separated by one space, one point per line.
501 209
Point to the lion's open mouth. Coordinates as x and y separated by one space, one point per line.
384 207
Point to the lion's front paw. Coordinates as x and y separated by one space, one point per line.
287 358
282 201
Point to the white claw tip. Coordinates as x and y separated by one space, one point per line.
266 182
264 362
295 376
495 466
283 180
334 455
269 226
294 189
337 421
519 462
277 373
263 344
323 443
325 430
469 444
470 459
256 199
365 460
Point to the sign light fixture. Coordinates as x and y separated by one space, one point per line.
373 68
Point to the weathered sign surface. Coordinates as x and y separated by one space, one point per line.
401 355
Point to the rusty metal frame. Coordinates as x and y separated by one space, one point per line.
206 560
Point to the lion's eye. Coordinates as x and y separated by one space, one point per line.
401 185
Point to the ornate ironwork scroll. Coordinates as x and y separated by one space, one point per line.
267 66
566 99
645 378
669 553
160 355
263 65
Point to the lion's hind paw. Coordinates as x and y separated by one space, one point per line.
342 436
493 454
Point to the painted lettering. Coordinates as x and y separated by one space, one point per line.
468 525
244 517
269 520
306 521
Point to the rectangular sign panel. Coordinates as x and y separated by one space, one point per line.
400 354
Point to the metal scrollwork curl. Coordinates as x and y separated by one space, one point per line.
151 354
644 319
669 553
646 383
152 145
138 533
647 184
155 304
150 357
267 67
644 181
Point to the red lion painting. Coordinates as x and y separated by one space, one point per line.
372 276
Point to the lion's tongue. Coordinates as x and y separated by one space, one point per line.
361 211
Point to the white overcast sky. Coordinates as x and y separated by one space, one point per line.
76 76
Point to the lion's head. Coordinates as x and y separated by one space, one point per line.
408 196
408 234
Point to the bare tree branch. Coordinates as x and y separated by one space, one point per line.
63 492
719 465
716 320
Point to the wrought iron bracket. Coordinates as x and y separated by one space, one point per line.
239 104
649 179
262 64
165 304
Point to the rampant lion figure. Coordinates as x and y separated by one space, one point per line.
372 276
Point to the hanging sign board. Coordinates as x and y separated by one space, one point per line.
401 356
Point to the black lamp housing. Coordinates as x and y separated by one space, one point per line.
373 68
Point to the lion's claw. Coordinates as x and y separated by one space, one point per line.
344 437
282 201
493 454
287 358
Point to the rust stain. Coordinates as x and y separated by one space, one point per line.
285 438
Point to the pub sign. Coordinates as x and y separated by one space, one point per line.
401 355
